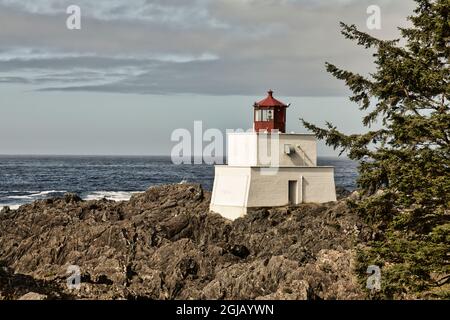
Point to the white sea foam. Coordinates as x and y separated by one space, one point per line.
12 206
44 193
36 194
95 195
110 195
19 197
17 201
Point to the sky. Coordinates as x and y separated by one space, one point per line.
139 69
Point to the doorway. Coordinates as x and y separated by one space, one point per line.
293 191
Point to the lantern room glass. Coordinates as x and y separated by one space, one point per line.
264 115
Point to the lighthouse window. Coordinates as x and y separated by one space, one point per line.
258 115
263 115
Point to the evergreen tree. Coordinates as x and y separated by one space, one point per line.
404 171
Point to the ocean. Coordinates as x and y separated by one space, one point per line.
24 179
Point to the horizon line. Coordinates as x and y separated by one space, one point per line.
120 155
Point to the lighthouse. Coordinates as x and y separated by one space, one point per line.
268 167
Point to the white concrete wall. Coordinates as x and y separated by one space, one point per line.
252 149
318 185
229 212
230 191
315 184
304 150
269 190
247 182
242 149
237 188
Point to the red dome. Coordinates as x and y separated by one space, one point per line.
270 101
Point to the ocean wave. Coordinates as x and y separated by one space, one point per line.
35 194
18 191
16 201
12 206
19 197
110 195
45 193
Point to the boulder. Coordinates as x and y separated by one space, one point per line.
33 296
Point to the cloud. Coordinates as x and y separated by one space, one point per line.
44 68
202 46
182 13
40 54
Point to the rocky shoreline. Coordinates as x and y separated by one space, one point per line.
165 244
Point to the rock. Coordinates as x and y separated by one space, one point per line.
296 290
240 251
165 244
33 296
169 204
188 267
342 193
71 197
355 195
5 210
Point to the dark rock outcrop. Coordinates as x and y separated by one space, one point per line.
164 244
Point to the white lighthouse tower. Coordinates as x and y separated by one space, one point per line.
269 167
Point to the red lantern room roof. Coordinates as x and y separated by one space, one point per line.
270 101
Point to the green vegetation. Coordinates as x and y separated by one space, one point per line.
405 165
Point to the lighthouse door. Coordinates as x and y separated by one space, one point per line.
293 191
